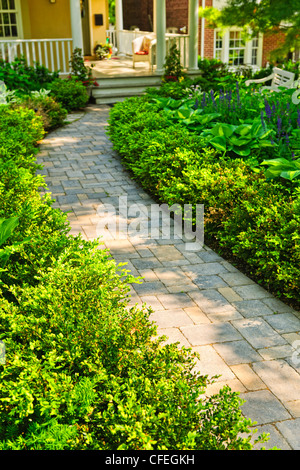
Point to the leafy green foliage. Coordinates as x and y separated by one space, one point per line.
266 17
52 113
241 140
287 169
173 70
23 78
83 372
44 227
215 75
79 71
248 218
70 93
7 226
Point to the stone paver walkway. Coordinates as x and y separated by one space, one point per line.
199 299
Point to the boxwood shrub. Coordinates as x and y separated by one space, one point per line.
253 222
70 93
83 370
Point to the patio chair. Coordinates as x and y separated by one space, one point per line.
142 50
279 77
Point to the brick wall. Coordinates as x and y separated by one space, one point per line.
137 12
270 42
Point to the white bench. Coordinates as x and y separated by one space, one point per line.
279 77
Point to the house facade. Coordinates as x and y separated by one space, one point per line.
228 47
47 31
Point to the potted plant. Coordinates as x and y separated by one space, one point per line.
173 70
103 51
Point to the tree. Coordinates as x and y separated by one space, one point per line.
260 16
112 11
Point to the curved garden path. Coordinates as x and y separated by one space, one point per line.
199 299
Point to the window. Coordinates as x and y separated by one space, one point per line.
231 48
218 46
236 48
254 51
8 19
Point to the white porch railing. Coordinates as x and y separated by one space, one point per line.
54 54
122 41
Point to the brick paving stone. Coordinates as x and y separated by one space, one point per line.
284 322
276 305
229 294
293 407
152 301
234 384
292 338
148 275
167 253
179 300
275 439
270 408
196 314
170 318
173 335
170 277
211 364
204 269
248 377
277 352
236 279
252 308
276 374
199 335
182 287
146 263
209 256
252 292
152 287
209 282
291 431
212 302
237 352
258 333
120 247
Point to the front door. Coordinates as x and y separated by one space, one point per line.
85 19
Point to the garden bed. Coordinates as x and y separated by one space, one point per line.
236 152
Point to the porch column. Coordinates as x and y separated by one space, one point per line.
76 24
193 34
160 23
119 24
119 15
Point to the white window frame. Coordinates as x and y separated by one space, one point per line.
17 11
248 49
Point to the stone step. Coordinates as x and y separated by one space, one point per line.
128 81
112 90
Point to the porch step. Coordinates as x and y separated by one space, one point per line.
114 89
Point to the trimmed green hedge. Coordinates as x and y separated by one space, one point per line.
82 370
254 222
